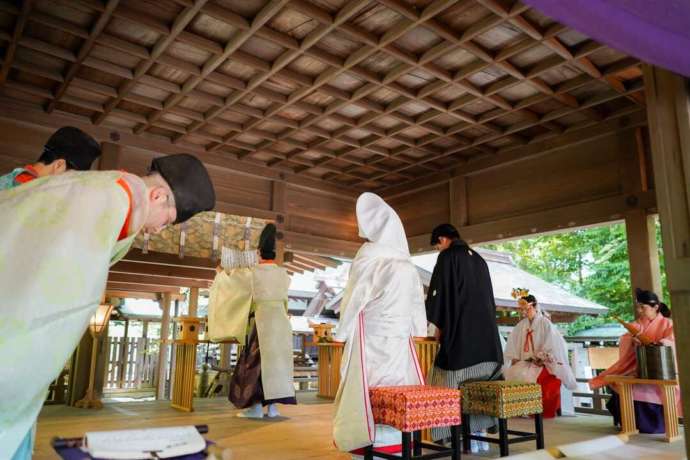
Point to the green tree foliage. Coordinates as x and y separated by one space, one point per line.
591 263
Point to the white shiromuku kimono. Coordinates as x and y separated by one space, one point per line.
58 237
538 340
382 309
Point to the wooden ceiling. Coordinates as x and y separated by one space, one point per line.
359 93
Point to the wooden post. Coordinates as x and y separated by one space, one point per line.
278 193
457 188
123 358
163 349
640 227
193 301
111 156
643 251
668 113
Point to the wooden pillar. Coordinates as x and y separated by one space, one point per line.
123 358
111 156
278 193
163 349
643 251
193 301
457 188
668 113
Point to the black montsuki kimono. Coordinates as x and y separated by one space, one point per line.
460 302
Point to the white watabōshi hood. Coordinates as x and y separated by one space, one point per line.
380 224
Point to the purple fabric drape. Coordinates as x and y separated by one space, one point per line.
655 31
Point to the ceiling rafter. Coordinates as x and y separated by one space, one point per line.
384 130
19 25
84 51
180 23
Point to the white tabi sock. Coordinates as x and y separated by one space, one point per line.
252 412
273 411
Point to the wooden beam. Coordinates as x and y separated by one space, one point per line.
134 294
19 25
84 51
561 218
324 261
140 288
309 262
160 258
518 154
262 17
293 268
311 244
162 270
180 23
154 280
15 111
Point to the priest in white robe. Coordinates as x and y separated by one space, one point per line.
382 310
250 304
58 237
538 354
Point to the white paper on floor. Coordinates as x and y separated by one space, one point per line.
139 444
536 455
611 448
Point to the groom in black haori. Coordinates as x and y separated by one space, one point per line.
460 303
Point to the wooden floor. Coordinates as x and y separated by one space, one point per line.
305 432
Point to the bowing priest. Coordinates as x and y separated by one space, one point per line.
251 304
381 311
67 149
538 354
460 303
58 237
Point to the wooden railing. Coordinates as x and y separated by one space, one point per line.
132 363
597 353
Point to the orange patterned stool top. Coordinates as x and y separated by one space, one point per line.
415 407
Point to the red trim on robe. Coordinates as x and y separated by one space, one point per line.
124 231
550 393
529 341
28 175
365 382
392 449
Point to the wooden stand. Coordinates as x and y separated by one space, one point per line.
330 356
668 387
331 353
185 363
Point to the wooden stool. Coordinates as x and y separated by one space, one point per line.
412 409
504 400
668 399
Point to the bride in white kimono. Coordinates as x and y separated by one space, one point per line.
382 310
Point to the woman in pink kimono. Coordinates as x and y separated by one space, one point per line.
382 309
654 322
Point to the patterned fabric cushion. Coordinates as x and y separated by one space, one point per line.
415 407
502 399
